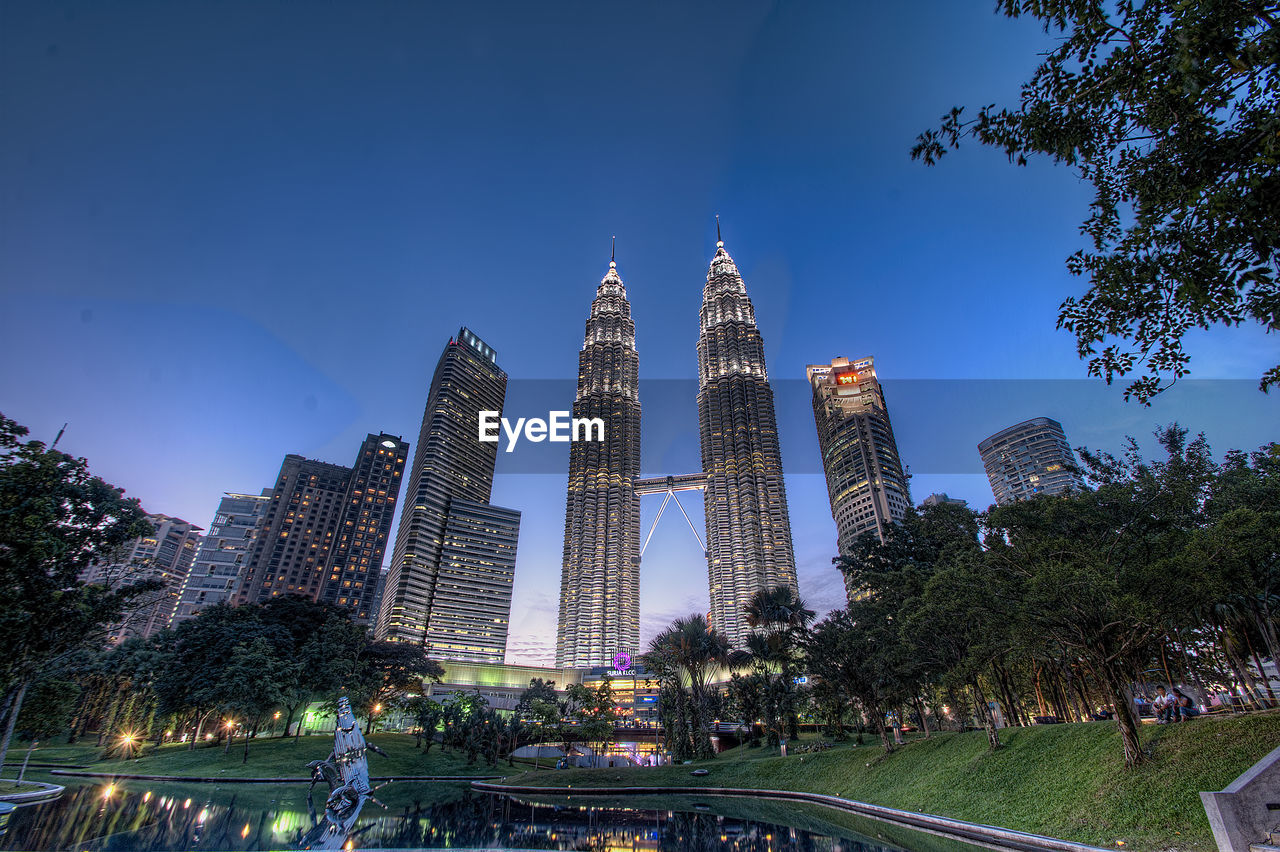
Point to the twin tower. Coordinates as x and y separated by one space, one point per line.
748 528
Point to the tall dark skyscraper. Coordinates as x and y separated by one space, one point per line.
748 526
865 479
325 531
600 571
453 475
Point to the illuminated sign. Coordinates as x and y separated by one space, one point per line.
846 378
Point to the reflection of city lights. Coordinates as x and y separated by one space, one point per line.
146 797
106 793
187 803
244 832
204 814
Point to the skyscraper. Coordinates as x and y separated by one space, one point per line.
220 563
166 555
325 531
471 608
600 570
748 526
452 476
1030 458
865 480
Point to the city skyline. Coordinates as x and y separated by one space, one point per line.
214 214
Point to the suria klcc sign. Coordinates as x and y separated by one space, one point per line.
559 427
621 665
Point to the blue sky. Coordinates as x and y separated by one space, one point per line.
233 231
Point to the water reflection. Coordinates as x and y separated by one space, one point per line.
244 817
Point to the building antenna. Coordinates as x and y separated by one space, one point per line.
719 239
59 438
613 249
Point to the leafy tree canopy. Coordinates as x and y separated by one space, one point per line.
1171 110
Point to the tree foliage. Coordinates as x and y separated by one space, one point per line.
56 519
1171 110
1164 569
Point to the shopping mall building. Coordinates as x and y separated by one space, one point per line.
638 733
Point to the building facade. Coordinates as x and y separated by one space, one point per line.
166 555
600 569
471 609
452 474
748 526
866 483
325 531
1030 458
219 565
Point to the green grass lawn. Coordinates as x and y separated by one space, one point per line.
1065 781
56 752
8 787
287 758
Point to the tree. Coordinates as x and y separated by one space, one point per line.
1103 572
689 651
539 690
592 712
46 711
317 643
385 670
856 651
427 715
779 618
191 681
546 717
250 684
55 520
1171 110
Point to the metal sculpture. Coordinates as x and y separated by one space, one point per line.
346 772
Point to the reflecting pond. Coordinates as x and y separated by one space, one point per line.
141 816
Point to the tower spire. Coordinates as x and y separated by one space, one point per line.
613 249
719 239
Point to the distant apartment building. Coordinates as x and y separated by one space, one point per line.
942 500
449 584
1030 458
866 483
167 556
215 576
325 531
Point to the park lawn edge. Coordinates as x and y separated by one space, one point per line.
1065 781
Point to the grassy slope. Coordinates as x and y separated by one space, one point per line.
285 758
1062 780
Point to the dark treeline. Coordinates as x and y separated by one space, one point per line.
235 672
1161 571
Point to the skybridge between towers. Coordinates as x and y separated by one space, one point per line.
668 486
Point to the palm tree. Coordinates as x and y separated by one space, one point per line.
689 651
780 618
